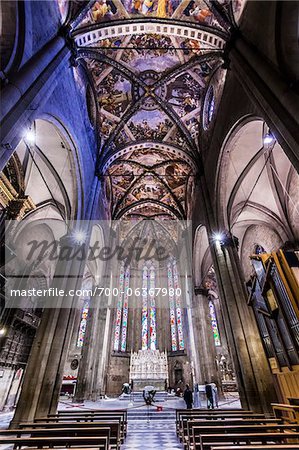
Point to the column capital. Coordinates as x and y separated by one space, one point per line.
199 290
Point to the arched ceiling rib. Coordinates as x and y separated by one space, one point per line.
150 62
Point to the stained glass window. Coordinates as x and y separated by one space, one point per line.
125 312
85 299
121 320
214 324
144 324
153 331
175 307
148 325
83 322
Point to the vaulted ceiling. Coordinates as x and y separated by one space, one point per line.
150 62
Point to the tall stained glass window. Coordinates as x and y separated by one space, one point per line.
86 289
175 307
83 322
214 324
121 320
148 317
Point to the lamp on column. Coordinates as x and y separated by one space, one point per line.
225 239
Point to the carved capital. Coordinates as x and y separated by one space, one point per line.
199 290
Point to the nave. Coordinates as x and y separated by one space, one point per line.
149 224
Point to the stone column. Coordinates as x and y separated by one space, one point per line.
87 359
255 382
254 379
276 98
204 342
96 346
45 367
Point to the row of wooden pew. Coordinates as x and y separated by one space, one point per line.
230 429
101 429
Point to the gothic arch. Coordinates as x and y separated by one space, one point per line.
253 184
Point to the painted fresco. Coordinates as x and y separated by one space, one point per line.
145 96
195 11
157 8
147 174
150 125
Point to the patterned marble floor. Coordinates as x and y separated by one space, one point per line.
143 435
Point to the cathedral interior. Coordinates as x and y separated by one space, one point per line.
158 140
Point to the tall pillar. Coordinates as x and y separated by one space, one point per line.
204 342
255 382
87 360
254 378
45 367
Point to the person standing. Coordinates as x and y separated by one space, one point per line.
215 394
209 394
197 403
188 397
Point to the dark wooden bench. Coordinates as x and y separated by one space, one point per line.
86 419
291 410
210 440
100 442
116 437
203 416
91 412
196 432
182 426
192 412
230 424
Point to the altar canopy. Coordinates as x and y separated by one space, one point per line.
149 367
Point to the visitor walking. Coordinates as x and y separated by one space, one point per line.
209 394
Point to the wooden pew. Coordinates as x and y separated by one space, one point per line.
197 431
100 442
209 416
291 410
209 411
199 424
91 412
87 419
116 437
182 426
108 431
191 412
207 441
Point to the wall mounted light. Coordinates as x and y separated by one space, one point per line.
29 136
79 236
268 138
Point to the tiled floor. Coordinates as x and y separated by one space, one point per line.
151 431
152 435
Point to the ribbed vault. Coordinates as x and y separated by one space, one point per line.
150 62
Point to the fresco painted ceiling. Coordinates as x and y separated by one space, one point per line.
150 62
